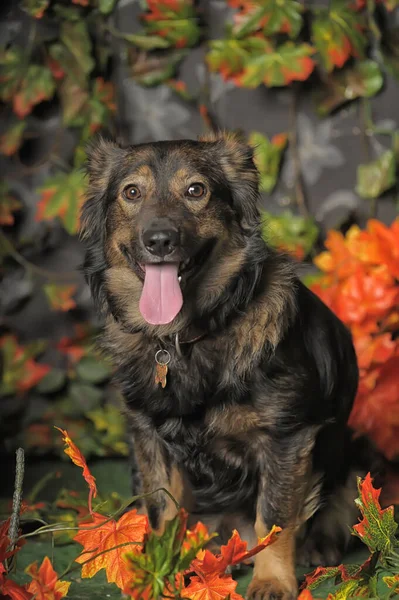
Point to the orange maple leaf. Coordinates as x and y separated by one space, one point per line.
376 409
372 351
78 459
196 536
367 294
305 595
360 285
338 259
103 537
234 552
211 588
387 244
45 584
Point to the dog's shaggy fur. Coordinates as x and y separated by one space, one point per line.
251 427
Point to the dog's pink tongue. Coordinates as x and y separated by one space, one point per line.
161 299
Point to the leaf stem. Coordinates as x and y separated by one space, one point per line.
16 503
54 529
9 249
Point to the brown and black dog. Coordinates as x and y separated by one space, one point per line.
238 380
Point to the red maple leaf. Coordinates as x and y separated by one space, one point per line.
104 535
376 409
34 372
45 584
5 551
77 457
234 552
10 590
55 68
74 347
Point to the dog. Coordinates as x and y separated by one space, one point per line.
238 380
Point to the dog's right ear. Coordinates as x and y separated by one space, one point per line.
102 156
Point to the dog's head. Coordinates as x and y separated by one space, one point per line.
167 224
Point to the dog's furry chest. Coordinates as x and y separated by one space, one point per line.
219 469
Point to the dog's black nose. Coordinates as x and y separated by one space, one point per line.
160 241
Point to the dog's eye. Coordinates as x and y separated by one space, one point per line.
131 192
196 190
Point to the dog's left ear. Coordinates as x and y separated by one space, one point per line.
236 159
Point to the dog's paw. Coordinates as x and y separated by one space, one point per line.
317 553
271 589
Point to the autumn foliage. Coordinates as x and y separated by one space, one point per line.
141 563
359 283
177 564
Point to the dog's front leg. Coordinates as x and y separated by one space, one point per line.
157 470
283 476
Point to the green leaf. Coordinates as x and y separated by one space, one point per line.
100 106
59 296
8 205
19 372
364 80
254 61
11 140
73 70
377 528
23 83
85 397
35 8
152 72
269 16
178 24
68 13
111 424
38 85
106 6
160 559
290 233
76 38
73 100
62 196
93 370
228 56
146 42
337 35
376 177
54 381
268 156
